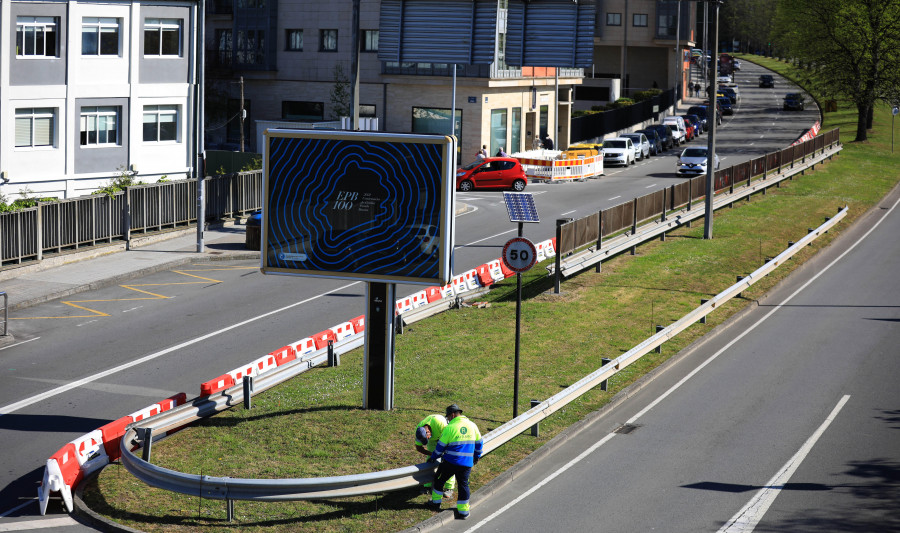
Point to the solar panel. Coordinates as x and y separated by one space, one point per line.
520 206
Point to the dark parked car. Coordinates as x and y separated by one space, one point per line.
665 134
766 80
700 111
793 102
730 93
725 104
656 145
695 120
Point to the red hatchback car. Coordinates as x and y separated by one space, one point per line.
492 173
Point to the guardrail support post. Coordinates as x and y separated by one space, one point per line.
334 359
599 267
658 349
739 279
703 318
5 313
535 430
146 436
248 392
557 277
604 362
634 209
229 509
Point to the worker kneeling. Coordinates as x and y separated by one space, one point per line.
459 449
427 434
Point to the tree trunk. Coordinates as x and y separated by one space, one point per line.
862 111
870 116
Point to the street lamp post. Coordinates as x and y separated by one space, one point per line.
711 141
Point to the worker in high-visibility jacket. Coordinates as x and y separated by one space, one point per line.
459 449
427 434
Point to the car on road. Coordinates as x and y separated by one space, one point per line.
492 173
641 144
693 161
700 111
678 128
729 93
618 151
696 122
793 102
665 135
736 64
725 105
723 79
427 235
656 142
766 80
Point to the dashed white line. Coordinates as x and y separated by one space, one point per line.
19 343
613 198
568 212
650 186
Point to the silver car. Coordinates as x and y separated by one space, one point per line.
641 144
692 161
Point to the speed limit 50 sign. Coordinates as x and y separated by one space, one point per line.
519 254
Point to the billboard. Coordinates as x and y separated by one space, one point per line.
358 205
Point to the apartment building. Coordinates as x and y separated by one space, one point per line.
635 48
93 89
290 60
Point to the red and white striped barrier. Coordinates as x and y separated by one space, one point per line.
812 132
342 331
304 346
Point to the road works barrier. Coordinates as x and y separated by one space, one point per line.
546 165
225 488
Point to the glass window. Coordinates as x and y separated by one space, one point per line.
328 40
544 117
99 125
613 19
251 46
99 36
639 19
162 37
515 137
370 41
302 110
293 40
36 36
367 110
34 126
223 50
434 120
498 131
160 123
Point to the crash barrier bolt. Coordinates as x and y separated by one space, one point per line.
604 362
535 430
790 243
659 348
248 389
146 436
703 318
739 279
333 358
229 509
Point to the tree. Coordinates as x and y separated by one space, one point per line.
854 45
340 93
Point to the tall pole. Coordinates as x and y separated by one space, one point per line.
199 162
711 142
623 88
242 113
354 67
518 335
678 62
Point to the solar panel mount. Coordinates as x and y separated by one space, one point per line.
520 206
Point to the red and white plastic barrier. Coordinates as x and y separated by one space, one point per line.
342 331
812 132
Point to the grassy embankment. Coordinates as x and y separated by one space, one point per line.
313 426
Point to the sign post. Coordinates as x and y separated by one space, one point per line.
519 255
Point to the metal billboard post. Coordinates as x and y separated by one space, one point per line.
378 366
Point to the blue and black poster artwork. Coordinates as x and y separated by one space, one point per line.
358 205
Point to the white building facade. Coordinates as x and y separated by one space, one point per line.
91 90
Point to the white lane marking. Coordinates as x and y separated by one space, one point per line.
18 343
691 374
613 198
546 480
14 509
750 515
38 524
568 212
650 186
100 375
484 239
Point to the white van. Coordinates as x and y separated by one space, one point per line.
678 127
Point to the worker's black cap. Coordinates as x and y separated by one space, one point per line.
453 408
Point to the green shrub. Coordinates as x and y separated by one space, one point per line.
646 95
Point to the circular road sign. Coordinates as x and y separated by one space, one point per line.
519 254
895 110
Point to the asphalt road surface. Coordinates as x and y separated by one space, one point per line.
131 346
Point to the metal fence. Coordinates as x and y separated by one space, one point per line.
584 231
67 225
597 125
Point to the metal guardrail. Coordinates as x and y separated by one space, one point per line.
5 312
225 488
592 255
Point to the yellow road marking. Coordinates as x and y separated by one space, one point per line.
133 287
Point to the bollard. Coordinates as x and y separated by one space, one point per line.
658 349
146 436
604 362
703 318
229 509
248 390
739 279
535 430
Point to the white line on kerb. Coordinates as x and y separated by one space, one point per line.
634 419
749 516
69 386
613 198
39 524
568 212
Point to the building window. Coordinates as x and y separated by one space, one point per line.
613 19
36 36
99 36
223 48
162 37
328 40
160 123
251 4
498 131
434 120
251 46
370 41
99 125
640 20
515 137
34 126
367 110
293 40
306 111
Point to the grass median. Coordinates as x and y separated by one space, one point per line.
313 426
